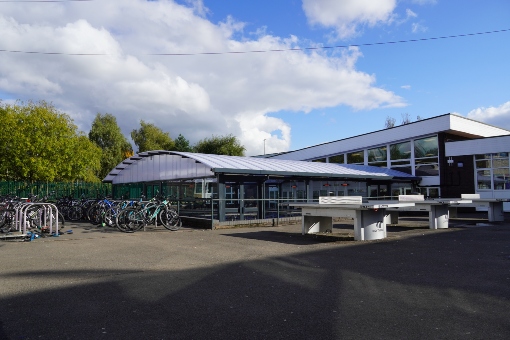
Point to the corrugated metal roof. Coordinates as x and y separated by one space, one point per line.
232 164
263 166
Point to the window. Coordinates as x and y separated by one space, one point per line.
377 157
378 190
500 172
500 160
492 171
315 194
401 189
483 179
483 161
356 158
426 169
337 159
357 189
400 151
426 156
320 160
400 157
430 192
501 178
426 147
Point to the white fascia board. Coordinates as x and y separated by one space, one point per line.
475 128
382 137
478 146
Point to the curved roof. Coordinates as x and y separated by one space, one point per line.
161 165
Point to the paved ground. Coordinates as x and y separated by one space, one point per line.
260 283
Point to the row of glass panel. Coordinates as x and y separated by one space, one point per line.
287 191
492 171
418 157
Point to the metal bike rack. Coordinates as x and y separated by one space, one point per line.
20 220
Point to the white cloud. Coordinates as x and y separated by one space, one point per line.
348 15
406 87
199 7
195 95
498 116
418 28
410 13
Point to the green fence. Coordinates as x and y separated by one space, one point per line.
55 190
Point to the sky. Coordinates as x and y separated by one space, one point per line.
279 75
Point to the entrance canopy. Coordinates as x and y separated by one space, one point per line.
162 165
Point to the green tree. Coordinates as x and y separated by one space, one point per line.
220 145
182 144
40 143
106 134
150 137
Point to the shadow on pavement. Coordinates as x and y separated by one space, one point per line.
449 284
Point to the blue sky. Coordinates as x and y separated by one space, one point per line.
290 99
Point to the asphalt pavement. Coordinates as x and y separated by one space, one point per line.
259 283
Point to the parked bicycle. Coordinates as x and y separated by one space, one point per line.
155 211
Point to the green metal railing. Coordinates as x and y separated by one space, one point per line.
56 189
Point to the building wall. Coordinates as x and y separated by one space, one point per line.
490 178
457 176
452 179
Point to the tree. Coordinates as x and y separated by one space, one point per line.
88 158
182 144
389 123
220 145
106 134
150 137
40 143
406 119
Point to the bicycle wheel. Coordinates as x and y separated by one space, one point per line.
61 220
130 220
7 220
75 213
95 214
34 216
92 213
110 217
170 219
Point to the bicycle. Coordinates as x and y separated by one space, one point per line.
154 211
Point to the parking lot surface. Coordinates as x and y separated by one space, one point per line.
259 283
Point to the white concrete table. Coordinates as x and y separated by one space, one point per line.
369 217
437 208
494 206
